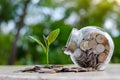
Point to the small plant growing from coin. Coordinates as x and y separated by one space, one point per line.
48 41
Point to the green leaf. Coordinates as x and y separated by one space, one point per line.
39 42
44 37
45 40
52 36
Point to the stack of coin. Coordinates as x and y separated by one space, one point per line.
94 50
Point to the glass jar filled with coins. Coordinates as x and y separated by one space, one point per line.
90 47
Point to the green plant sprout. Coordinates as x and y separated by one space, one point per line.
48 41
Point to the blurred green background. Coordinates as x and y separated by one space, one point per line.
21 18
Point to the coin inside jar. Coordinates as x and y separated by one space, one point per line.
72 46
93 49
84 45
102 57
100 48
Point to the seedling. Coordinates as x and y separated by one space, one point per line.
48 41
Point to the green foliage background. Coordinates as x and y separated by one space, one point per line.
85 12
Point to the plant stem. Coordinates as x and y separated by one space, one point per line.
47 57
47 50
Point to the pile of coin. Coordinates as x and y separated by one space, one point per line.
94 50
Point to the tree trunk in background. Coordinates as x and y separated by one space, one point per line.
19 26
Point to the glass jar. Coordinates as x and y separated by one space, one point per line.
90 47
